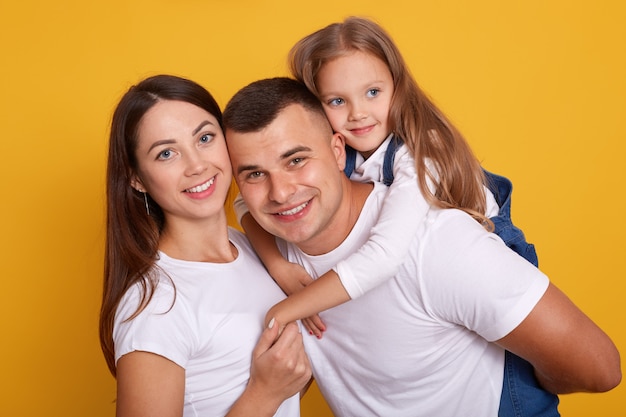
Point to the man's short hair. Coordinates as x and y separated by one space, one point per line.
255 106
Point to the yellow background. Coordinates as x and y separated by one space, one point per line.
537 87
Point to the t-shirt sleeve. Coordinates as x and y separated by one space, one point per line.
388 245
471 278
162 328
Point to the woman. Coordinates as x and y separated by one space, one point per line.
184 295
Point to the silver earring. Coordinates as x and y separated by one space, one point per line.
145 199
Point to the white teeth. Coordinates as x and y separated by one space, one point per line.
293 210
202 187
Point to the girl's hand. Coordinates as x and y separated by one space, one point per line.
291 278
314 325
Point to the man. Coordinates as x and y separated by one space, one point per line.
430 341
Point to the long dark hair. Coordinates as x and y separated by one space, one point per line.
132 235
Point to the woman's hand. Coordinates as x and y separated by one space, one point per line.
280 369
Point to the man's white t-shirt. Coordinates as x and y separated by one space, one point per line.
419 344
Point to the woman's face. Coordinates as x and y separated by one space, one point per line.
182 161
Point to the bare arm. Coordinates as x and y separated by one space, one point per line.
323 293
569 352
149 385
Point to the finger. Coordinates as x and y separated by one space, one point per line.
290 336
267 339
312 329
317 321
308 325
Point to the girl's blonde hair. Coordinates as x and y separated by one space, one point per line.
413 116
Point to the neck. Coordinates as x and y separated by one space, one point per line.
205 241
354 196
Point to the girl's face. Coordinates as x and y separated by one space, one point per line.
182 161
356 91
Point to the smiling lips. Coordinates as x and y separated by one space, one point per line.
294 210
361 130
202 187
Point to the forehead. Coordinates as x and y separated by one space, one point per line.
354 65
294 126
169 116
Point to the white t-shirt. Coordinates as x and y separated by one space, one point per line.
403 211
419 343
208 325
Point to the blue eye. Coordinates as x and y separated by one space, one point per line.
335 101
373 92
166 154
206 138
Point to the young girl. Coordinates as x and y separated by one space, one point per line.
183 304
369 96
394 134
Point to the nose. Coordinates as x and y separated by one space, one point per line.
357 112
281 188
195 164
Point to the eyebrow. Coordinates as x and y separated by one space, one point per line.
285 155
295 150
170 141
160 143
200 126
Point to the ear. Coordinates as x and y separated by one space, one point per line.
136 183
338 145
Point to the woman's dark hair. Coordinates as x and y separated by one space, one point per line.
132 235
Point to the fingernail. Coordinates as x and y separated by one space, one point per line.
271 323
310 332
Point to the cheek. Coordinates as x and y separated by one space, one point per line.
226 165
336 118
384 111
154 182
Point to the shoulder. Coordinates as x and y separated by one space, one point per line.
455 248
453 232
472 278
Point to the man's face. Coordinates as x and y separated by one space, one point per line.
290 175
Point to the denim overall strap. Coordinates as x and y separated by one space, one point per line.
390 155
514 238
521 394
350 161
